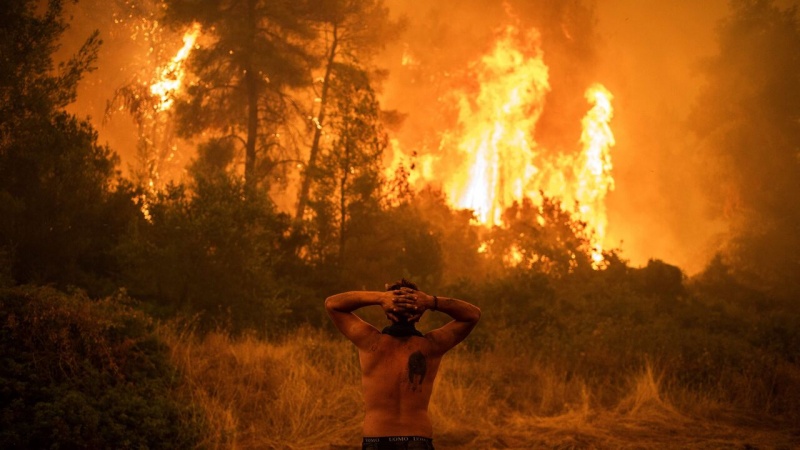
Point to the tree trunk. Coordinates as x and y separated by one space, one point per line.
343 204
312 156
251 87
252 129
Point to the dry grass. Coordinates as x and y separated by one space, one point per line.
261 395
304 393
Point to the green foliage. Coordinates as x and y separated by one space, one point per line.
456 239
213 251
705 335
390 244
78 373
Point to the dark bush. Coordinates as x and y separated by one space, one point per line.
78 373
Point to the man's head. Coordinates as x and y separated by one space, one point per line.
401 284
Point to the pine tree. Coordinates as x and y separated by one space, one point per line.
251 53
350 32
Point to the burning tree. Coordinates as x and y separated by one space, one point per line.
491 160
149 97
251 53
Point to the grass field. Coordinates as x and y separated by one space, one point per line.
304 393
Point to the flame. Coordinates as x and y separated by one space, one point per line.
593 176
502 162
171 75
497 142
158 148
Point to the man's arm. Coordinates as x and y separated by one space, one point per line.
341 306
465 317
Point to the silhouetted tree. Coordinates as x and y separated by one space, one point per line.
350 32
456 239
61 214
348 181
746 118
544 239
251 53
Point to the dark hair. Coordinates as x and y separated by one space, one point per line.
402 283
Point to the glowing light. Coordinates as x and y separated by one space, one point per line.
501 161
496 127
171 75
593 176
408 58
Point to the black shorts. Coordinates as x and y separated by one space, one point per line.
397 443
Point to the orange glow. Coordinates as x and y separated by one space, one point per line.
500 161
170 77
593 174
496 140
168 82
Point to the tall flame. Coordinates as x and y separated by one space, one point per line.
171 76
497 142
157 147
593 176
502 163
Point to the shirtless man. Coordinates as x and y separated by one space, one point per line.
399 364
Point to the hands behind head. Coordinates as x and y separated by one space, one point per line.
405 304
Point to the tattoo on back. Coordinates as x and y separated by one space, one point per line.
417 366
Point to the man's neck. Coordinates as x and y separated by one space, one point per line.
401 329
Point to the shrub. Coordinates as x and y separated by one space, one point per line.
78 373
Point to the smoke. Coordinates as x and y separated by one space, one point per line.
650 58
646 53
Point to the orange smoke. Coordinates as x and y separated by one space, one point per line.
500 160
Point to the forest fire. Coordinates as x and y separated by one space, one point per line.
152 254
502 161
496 141
157 147
170 77
594 178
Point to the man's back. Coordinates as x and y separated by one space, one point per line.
397 378
398 364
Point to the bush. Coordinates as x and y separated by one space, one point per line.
78 373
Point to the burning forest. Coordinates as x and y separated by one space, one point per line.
613 184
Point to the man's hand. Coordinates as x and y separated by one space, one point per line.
387 300
414 303
404 303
